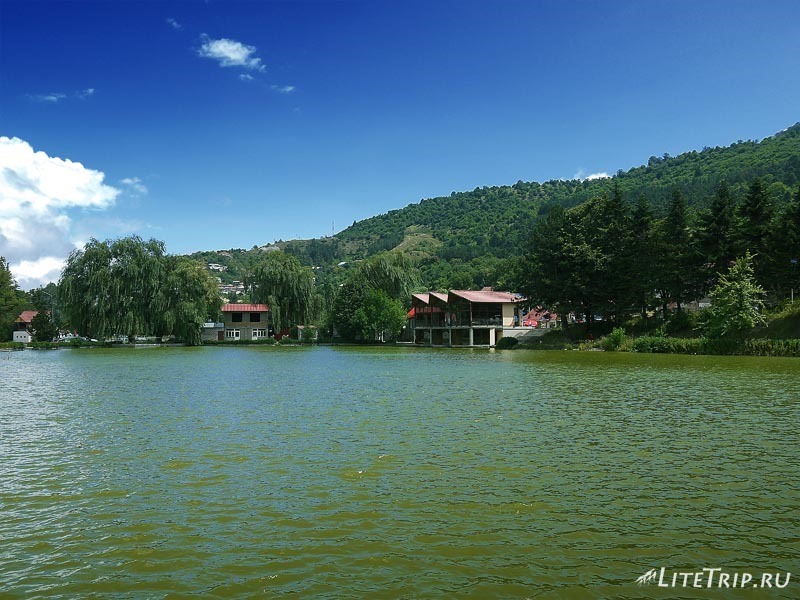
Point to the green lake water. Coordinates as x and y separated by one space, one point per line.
393 473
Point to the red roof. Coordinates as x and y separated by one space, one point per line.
485 296
26 316
245 308
425 297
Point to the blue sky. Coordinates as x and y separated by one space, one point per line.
213 125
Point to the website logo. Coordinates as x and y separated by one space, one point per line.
714 577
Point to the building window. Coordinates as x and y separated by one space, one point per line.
232 334
255 317
260 333
236 317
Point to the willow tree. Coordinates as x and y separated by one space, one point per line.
383 281
132 287
111 287
188 296
391 272
283 283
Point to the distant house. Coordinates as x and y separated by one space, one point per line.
22 324
465 317
245 321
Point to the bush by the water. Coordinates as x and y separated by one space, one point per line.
12 345
613 340
45 345
506 343
749 347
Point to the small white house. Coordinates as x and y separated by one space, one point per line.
22 336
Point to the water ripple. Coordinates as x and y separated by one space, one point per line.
397 473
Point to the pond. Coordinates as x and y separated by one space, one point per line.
394 473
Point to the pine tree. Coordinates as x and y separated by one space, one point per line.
678 262
783 256
754 225
717 236
614 283
642 280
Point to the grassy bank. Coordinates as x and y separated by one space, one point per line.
780 337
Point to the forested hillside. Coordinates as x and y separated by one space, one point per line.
467 239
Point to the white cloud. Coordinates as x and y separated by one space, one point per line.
283 89
246 77
52 97
230 53
55 97
581 174
134 185
33 273
37 193
173 23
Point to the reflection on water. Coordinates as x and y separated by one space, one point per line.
386 473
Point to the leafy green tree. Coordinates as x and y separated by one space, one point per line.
352 295
386 277
10 301
736 301
44 328
380 318
282 282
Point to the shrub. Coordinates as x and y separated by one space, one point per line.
285 341
12 345
652 343
506 343
613 340
44 345
681 322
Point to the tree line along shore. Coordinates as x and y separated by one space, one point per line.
625 261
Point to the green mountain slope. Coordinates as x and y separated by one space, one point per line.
495 217
461 240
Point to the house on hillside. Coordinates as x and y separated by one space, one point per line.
22 326
245 321
465 317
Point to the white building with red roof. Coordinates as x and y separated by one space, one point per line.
22 333
245 322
